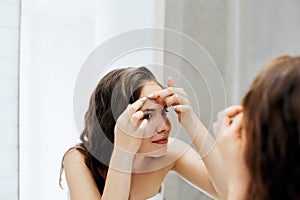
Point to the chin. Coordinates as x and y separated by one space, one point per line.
157 153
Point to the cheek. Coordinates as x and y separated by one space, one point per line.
153 125
146 146
168 123
149 130
165 124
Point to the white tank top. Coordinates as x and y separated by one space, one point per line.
158 196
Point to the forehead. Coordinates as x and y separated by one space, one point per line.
149 88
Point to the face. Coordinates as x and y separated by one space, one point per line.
158 129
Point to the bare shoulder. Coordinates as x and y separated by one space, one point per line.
73 156
181 151
177 147
74 165
78 176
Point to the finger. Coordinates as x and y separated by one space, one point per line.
181 108
234 110
136 117
141 129
237 123
161 93
172 100
228 113
224 119
170 82
136 105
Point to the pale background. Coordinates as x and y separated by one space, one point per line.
43 44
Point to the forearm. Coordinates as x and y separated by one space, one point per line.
217 172
117 184
201 138
205 145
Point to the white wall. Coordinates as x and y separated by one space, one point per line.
56 38
9 58
267 29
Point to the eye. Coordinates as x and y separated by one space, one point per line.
147 116
165 111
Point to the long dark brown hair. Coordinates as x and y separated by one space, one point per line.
272 123
112 95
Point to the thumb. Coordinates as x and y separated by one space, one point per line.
141 129
237 125
170 81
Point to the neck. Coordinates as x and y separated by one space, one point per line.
141 163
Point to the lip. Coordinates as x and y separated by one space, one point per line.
163 140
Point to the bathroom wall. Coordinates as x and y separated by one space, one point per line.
240 36
36 120
9 98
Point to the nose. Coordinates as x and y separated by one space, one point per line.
163 125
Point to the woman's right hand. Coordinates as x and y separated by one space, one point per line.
232 144
129 129
229 129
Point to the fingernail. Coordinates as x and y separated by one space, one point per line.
168 109
150 96
144 99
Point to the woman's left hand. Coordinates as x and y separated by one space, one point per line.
177 98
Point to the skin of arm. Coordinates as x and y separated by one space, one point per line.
118 189
206 173
203 141
117 184
210 155
118 180
232 144
190 166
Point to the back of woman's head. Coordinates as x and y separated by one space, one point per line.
272 123
110 98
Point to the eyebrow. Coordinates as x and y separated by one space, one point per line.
152 109
149 110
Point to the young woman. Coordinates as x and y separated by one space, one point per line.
126 150
260 144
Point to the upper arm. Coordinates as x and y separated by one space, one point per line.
80 181
191 167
